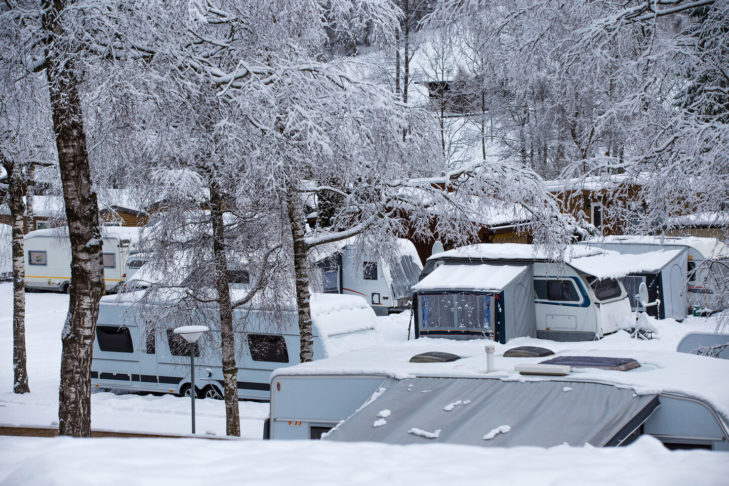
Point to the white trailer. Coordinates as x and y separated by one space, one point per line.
570 301
48 257
136 350
385 395
385 285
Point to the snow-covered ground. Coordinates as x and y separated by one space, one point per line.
30 461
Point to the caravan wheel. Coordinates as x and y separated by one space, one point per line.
212 392
65 288
185 391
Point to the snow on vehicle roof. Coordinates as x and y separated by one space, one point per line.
513 251
472 277
131 233
660 371
708 247
615 265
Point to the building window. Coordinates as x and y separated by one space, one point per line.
37 257
556 290
268 348
114 339
109 260
178 345
596 216
370 271
42 225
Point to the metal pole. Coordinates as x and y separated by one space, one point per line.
192 383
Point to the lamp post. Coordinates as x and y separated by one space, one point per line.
191 335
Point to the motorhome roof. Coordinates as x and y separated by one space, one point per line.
660 371
119 232
472 277
708 247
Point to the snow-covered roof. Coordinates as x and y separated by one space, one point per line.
614 265
472 277
593 183
707 247
119 232
512 251
701 219
660 370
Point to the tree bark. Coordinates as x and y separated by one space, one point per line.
227 334
82 214
16 191
301 271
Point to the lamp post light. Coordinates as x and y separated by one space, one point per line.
191 335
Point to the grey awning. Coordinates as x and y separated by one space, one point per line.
498 413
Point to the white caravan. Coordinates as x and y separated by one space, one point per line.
385 285
501 291
48 257
136 349
707 269
445 392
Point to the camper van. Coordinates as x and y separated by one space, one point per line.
385 285
706 276
48 257
445 392
502 291
136 348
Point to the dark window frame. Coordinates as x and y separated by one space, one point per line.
40 252
114 339
270 348
369 270
178 346
104 255
599 286
543 292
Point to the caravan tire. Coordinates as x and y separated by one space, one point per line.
65 288
185 391
212 392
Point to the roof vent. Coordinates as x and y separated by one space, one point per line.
528 352
602 362
434 357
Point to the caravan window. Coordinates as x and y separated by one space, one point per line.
556 290
37 257
268 348
370 271
607 289
149 343
330 275
457 310
109 260
178 345
115 339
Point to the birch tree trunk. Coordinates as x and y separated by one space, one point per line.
227 334
82 214
17 213
301 271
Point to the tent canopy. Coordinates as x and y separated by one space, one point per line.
612 265
480 277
